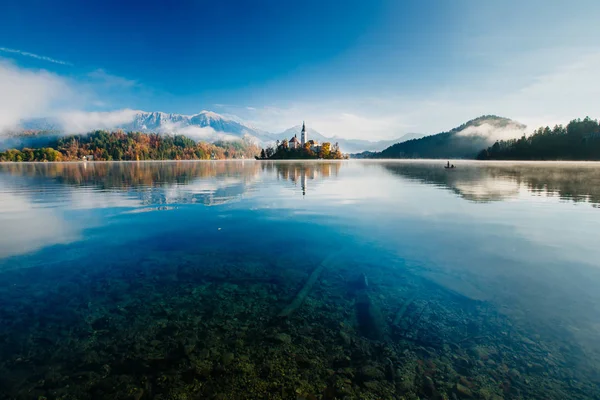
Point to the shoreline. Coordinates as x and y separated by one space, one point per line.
360 160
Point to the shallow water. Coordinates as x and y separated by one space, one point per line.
299 280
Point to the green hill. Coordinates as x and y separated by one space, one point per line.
465 141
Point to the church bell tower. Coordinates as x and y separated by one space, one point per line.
303 138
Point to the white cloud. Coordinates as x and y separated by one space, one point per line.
32 55
82 121
333 119
28 93
493 133
102 77
206 133
568 92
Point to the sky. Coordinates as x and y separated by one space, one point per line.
355 69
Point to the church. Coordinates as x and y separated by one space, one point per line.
294 143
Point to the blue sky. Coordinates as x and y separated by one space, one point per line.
370 69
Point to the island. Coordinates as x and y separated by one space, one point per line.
302 149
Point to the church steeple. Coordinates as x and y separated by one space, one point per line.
303 138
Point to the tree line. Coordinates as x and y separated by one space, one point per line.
131 146
579 140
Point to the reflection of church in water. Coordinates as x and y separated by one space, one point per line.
304 173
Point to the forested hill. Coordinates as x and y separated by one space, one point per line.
116 146
579 140
464 141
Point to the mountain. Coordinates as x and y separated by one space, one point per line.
346 145
29 138
465 141
205 125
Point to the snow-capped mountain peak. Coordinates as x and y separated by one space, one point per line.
209 115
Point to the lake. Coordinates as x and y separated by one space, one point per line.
299 280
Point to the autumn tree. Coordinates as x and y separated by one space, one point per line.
325 150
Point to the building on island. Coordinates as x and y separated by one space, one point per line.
303 134
294 143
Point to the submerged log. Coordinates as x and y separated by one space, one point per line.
403 308
369 316
303 293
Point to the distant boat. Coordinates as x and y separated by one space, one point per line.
448 166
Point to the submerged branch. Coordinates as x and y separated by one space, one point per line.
403 308
303 293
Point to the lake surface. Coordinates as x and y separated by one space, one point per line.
299 280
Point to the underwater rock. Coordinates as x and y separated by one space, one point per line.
479 353
101 324
303 361
203 368
345 338
514 374
227 359
189 349
204 353
137 394
429 387
406 384
371 373
282 338
463 391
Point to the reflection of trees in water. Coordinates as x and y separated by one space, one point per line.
112 175
493 182
172 182
151 182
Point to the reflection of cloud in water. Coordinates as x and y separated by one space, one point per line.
483 182
148 209
27 228
31 208
487 189
88 198
213 191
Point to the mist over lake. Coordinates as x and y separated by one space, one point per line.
299 280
